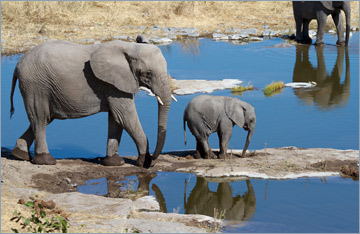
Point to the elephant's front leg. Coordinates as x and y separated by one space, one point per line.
124 115
224 132
114 135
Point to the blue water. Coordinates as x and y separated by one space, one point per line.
299 205
325 117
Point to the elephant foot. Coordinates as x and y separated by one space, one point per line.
44 159
114 160
319 43
307 41
20 154
223 156
197 155
210 155
340 43
145 161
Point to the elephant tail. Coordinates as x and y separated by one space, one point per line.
184 131
14 79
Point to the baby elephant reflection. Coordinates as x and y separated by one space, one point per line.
330 91
203 201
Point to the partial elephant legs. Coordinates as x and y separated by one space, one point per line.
131 123
203 149
321 20
224 138
114 135
338 20
21 149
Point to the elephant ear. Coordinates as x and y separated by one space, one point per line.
235 111
111 64
328 5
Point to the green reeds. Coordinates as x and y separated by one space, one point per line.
240 89
273 88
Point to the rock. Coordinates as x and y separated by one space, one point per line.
163 40
332 31
235 37
155 28
256 39
146 203
220 36
21 201
312 34
122 37
250 31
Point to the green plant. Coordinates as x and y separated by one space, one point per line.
240 89
274 87
39 222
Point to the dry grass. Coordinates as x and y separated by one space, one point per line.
23 23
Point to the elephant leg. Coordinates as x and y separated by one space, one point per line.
114 135
321 20
21 149
338 20
306 38
199 150
298 36
224 132
133 127
42 155
203 148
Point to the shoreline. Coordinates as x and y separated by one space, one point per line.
93 213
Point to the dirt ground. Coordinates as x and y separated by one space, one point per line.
25 24
23 180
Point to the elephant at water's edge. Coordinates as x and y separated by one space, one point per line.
206 114
63 80
305 11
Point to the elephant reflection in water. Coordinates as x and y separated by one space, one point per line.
330 91
203 201
143 188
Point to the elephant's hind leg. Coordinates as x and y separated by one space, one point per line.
114 135
21 149
39 117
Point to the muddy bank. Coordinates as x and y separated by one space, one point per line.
92 213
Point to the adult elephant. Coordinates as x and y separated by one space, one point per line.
305 11
63 80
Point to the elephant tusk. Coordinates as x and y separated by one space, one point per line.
159 100
172 96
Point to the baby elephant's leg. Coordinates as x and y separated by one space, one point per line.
224 132
203 148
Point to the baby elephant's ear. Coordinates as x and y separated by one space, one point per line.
235 111
112 64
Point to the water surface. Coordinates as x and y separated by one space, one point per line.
326 116
328 204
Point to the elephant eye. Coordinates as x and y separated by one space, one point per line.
148 74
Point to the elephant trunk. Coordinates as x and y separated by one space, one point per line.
163 107
248 138
347 11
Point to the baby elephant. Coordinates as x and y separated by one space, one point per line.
206 114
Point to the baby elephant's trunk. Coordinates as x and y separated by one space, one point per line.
248 138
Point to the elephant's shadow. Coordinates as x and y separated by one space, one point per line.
192 153
6 153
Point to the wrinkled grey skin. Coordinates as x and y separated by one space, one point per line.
304 12
63 80
206 114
